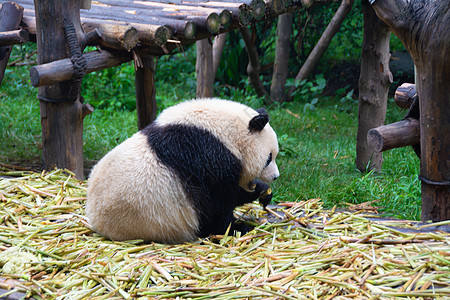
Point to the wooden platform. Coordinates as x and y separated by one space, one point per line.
160 25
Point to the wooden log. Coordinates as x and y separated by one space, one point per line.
118 36
405 95
399 134
225 18
210 23
13 37
61 120
145 91
240 11
62 70
258 8
277 6
245 16
10 16
159 17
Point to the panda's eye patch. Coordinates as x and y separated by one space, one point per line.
269 159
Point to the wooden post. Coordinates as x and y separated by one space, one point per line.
145 91
10 17
281 63
61 119
429 50
204 69
374 82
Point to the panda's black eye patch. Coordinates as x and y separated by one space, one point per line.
269 159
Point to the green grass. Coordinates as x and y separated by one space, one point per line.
318 161
317 147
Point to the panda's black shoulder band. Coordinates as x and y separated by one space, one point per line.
258 122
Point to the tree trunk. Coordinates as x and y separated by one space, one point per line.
374 84
204 69
61 119
218 46
145 92
424 28
10 17
280 68
323 43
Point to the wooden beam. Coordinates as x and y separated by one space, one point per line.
395 135
13 37
405 95
10 17
62 70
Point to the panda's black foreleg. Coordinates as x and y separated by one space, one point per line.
261 191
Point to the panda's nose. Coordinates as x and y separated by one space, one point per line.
275 177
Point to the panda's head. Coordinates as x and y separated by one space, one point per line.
261 150
244 131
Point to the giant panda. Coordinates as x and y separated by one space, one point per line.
181 177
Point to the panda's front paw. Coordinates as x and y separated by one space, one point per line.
263 191
241 227
266 197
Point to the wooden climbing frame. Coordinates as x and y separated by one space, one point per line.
123 30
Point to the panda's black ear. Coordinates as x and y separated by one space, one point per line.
258 122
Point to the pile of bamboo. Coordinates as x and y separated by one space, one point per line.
297 251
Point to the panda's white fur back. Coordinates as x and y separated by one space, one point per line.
133 195
157 196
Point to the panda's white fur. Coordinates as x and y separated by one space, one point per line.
132 194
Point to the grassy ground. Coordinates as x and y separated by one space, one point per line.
317 139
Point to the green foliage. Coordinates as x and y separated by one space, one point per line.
111 88
308 91
233 65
